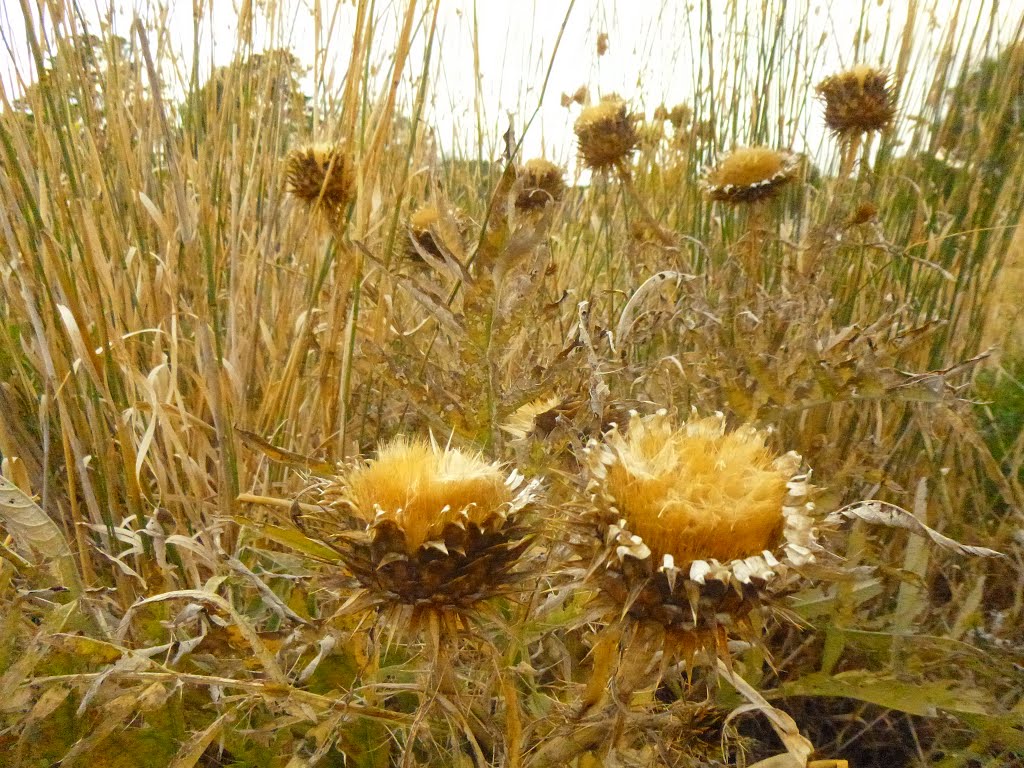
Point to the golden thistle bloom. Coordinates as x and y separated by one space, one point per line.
748 174
857 101
537 417
322 176
425 526
606 133
700 524
540 182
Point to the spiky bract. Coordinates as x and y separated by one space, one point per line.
424 525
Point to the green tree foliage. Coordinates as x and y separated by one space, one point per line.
244 93
985 123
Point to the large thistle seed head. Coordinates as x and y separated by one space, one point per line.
540 182
322 176
859 100
428 525
700 524
606 133
749 174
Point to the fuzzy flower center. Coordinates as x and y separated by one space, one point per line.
422 487
697 492
748 166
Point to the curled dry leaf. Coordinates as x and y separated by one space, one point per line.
892 516
652 283
30 526
34 532
798 748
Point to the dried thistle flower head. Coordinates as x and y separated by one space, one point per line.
538 417
649 135
322 176
430 230
425 525
606 133
680 115
858 100
698 521
540 182
749 174
864 212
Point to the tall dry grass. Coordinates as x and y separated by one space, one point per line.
185 346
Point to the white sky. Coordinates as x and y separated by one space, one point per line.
654 46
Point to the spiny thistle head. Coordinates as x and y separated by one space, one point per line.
322 176
538 417
606 133
749 174
430 230
427 525
698 520
858 100
540 183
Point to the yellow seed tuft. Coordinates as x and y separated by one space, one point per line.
749 174
606 133
859 100
423 218
698 492
537 417
422 487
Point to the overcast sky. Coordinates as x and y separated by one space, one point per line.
653 48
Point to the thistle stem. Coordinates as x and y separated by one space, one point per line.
850 150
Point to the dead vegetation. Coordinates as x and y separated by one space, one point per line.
225 300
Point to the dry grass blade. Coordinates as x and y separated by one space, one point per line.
797 745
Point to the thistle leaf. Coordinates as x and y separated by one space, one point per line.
34 531
892 516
